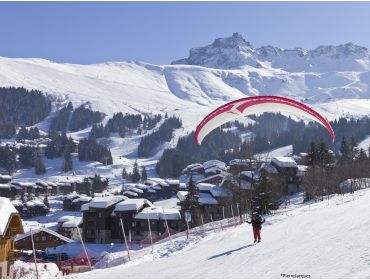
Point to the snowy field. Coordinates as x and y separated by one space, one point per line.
327 239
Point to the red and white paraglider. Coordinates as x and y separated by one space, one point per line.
255 105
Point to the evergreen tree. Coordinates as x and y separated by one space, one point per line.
191 202
97 185
312 154
46 200
344 150
144 175
135 173
67 162
39 165
124 174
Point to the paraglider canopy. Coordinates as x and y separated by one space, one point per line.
255 105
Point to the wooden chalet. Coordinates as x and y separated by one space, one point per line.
42 237
10 226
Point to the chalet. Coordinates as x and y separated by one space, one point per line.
54 188
174 185
98 222
194 168
30 208
67 201
127 210
70 227
5 179
10 226
42 238
288 168
214 179
157 217
44 187
27 187
213 167
238 165
78 202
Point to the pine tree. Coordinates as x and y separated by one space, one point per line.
97 185
353 148
144 175
67 162
344 150
191 202
312 154
39 165
46 200
135 173
124 174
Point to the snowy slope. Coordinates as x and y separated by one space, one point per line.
324 240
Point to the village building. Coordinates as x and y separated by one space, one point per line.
288 169
5 179
42 238
238 165
70 227
157 217
126 211
98 222
10 226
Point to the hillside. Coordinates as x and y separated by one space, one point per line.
323 240
332 79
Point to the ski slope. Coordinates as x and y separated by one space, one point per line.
328 239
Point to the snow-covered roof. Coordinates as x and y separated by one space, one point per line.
284 162
156 187
72 223
214 163
221 175
71 195
35 202
64 219
206 198
182 195
105 202
6 210
137 190
41 229
160 181
218 191
238 161
205 186
173 181
82 199
134 204
17 203
158 213
130 193
52 184
5 186
42 183
5 177
23 184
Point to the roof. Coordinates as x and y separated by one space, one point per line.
17 203
182 195
40 229
6 210
23 184
4 186
5 177
105 202
206 198
214 163
284 162
134 204
205 186
158 213
221 175
238 161
268 168
218 191
72 223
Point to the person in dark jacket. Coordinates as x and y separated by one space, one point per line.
256 222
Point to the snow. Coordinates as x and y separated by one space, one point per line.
4 186
27 270
278 152
132 204
6 210
321 240
207 199
158 213
205 186
286 162
105 202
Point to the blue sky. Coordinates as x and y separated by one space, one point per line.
159 32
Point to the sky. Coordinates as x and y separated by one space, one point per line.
160 32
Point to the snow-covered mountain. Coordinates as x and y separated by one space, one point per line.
333 79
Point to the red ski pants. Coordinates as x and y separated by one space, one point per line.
257 233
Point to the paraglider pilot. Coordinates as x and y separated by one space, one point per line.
256 222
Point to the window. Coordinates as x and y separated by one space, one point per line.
133 224
43 238
99 214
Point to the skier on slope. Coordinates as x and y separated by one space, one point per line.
256 222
